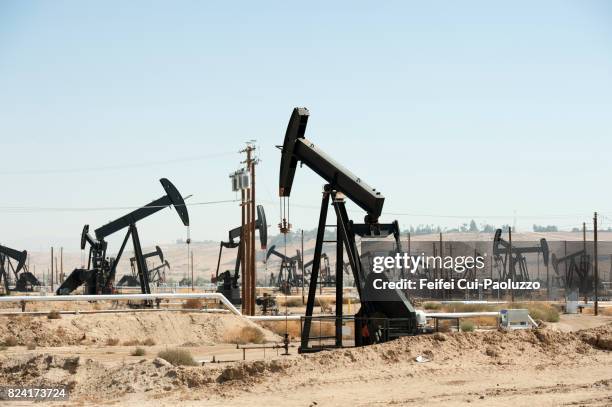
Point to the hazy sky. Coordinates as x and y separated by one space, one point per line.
454 110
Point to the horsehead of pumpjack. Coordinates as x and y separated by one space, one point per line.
341 183
99 275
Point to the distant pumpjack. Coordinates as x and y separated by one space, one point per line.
378 319
157 274
327 277
514 265
288 276
576 274
99 276
24 280
227 283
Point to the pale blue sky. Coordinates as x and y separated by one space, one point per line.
449 108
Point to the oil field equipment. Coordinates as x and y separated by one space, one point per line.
157 274
227 283
326 277
510 319
99 276
510 259
24 280
576 273
267 304
288 276
379 318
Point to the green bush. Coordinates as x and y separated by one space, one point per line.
467 326
178 357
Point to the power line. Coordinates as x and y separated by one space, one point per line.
145 164
97 209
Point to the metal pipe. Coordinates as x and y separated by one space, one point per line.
120 297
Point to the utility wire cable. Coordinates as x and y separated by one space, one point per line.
101 208
144 164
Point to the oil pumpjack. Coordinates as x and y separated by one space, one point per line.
287 277
378 319
24 280
513 265
99 276
227 283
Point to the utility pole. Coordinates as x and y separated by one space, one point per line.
441 269
51 268
595 268
62 264
247 238
511 263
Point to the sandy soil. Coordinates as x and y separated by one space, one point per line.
540 367
167 328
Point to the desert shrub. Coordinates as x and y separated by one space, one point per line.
282 327
247 334
31 346
138 352
289 301
606 311
3 348
193 303
445 325
54 315
148 342
131 342
539 311
459 307
432 305
178 357
10 341
112 342
467 326
325 305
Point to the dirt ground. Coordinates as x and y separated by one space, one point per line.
561 364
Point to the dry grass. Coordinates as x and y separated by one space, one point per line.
193 303
325 305
459 307
3 348
112 342
10 341
138 352
484 321
605 311
289 301
280 327
178 357
247 334
445 325
54 315
538 310
432 306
